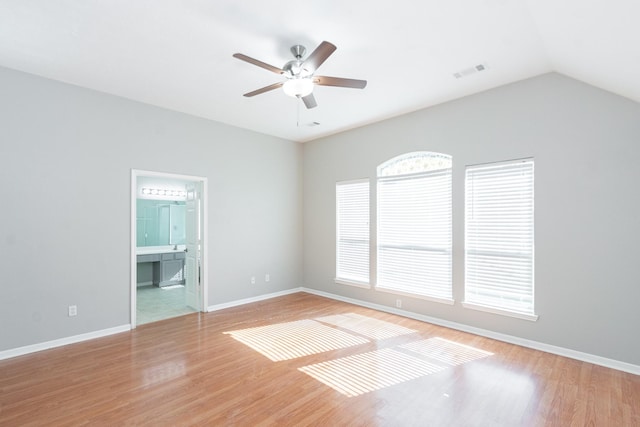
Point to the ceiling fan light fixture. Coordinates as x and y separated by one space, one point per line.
299 87
300 74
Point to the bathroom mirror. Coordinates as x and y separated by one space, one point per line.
160 222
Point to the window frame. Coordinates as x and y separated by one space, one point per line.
351 281
426 161
472 250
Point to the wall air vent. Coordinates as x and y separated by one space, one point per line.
469 71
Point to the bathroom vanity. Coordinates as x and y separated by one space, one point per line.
167 263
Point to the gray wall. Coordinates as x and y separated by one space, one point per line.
65 218
67 155
586 145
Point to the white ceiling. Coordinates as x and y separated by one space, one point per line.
178 54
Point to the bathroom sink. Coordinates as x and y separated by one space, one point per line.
147 250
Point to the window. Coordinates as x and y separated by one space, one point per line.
414 226
352 232
499 238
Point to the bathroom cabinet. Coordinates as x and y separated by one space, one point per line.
168 266
170 269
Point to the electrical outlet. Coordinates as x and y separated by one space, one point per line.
399 303
267 277
253 280
73 310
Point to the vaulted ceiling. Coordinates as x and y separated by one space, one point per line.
178 54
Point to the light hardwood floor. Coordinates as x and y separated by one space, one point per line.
305 360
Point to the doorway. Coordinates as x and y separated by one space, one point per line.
168 254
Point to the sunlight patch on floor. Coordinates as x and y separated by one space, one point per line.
360 373
284 341
366 372
367 326
445 351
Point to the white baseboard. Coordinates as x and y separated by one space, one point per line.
6 354
253 299
560 351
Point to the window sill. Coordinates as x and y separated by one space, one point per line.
524 316
418 296
355 283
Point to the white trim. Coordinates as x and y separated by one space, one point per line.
502 312
20 351
135 173
204 246
133 267
355 283
253 299
412 295
560 351
501 162
353 181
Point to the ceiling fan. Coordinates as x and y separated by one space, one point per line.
299 74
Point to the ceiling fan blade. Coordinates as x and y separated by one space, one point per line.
261 64
263 89
339 82
318 56
309 101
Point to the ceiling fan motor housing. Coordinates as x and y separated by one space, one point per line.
293 68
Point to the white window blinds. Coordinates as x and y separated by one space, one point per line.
352 229
414 232
499 244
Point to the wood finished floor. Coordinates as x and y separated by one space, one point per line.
191 371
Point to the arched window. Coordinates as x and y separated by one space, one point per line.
413 163
414 225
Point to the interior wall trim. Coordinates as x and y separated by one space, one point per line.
20 351
32 348
560 351
254 299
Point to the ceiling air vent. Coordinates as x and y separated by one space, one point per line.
469 71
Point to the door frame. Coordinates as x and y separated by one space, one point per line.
135 174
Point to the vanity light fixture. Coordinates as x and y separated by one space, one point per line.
163 192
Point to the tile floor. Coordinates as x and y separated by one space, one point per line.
154 303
